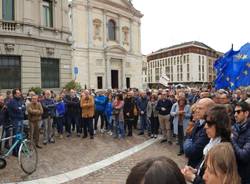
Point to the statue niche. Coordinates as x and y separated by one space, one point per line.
125 31
97 29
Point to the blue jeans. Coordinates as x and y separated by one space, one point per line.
59 123
119 127
110 123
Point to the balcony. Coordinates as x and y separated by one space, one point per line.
8 26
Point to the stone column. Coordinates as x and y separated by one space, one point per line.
90 26
139 38
108 72
124 60
130 35
119 37
104 28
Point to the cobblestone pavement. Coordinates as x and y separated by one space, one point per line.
72 153
118 172
68 154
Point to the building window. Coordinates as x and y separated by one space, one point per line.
50 73
10 72
167 70
99 82
188 76
112 29
8 10
47 13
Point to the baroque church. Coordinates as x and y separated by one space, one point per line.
106 43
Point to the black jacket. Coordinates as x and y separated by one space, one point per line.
73 104
194 152
4 117
241 144
167 104
129 105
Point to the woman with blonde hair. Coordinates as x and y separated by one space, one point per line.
221 167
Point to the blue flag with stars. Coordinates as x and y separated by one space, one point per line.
233 69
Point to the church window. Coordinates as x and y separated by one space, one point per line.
112 30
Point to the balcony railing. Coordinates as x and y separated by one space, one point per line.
9 26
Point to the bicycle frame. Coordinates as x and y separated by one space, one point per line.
19 138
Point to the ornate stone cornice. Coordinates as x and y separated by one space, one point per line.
129 7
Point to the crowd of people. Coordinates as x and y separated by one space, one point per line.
211 127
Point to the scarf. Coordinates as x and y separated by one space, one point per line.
211 144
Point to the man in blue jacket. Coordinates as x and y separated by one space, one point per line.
100 104
16 110
198 139
241 140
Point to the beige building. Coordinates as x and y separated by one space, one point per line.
144 72
187 63
35 47
106 43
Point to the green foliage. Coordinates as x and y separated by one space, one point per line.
37 90
73 85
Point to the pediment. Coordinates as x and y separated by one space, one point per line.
125 5
116 49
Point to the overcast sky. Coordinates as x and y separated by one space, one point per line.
217 23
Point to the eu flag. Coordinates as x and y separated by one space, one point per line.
222 67
233 69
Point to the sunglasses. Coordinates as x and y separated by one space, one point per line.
238 111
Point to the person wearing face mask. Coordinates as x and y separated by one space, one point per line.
16 109
35 112
241 140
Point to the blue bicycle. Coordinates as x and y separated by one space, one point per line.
27 154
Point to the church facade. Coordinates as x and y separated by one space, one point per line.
106 44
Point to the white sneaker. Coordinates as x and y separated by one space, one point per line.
102 131
94 132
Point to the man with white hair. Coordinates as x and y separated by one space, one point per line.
48 105
73 113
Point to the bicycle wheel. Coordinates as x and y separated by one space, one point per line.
28 157
3 163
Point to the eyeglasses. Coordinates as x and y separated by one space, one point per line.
238 111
